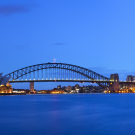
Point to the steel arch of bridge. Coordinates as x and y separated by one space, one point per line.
74 68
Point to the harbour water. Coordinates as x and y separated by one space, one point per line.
68 114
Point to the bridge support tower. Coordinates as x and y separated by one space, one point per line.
115 85
31 86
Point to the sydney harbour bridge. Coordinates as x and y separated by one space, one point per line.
62 72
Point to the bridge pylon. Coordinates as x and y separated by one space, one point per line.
31 86
114 86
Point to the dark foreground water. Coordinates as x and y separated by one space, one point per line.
68 114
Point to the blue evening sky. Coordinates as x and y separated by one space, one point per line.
95 34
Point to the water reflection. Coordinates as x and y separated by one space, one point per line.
94 114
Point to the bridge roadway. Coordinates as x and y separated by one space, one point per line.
81 81
92 81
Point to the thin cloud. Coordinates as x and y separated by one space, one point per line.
19 47
59 44
12 9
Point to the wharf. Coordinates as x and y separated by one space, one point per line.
4 94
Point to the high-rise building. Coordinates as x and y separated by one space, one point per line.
133 78
59 87
130 78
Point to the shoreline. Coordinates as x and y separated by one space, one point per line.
6 94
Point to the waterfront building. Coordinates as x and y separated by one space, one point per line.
77 86
5 87
57 91
73 91
68 88
21 91
44 91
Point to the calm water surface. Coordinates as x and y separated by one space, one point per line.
68 114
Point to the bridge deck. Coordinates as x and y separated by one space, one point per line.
92 81
81 81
